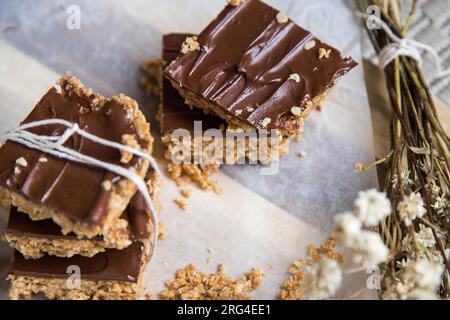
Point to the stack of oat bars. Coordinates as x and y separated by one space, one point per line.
251 68
79 231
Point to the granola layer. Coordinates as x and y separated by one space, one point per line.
35 248
26 287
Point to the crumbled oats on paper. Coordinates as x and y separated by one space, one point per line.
181 204
301 154
185 193
190 284
291 288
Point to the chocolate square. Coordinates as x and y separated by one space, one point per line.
245 63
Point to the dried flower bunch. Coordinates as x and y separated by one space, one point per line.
417 179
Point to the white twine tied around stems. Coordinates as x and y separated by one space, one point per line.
54 145
404 47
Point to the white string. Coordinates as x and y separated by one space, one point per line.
404 47
54 145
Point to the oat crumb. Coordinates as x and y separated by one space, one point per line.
296 111
265 122
298 138
185 193
301 154
190 284
149 296
238 112
22 162
42 159
181 204
107 185
235 3
162 228
295 77
130 141
190 44
282 17
324 53
17 170
309 45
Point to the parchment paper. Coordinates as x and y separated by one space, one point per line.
264 221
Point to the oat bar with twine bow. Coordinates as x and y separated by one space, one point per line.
54 145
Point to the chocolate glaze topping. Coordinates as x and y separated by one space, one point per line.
114 265
71 188
175 113
246 59
137 215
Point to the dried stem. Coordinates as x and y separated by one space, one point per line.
419 146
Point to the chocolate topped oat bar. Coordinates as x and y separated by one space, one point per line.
256 68
110 275
33 239
82 199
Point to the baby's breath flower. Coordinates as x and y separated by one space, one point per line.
424 274
369 249
422 294
347 228
410 208
404 178
322 280
425 237
371 207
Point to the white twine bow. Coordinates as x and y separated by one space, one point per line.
54 145
404 47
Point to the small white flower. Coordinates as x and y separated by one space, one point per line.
371 207
422 294
322 280
369 249
425 237
411 208
347 227
404 178
424 274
